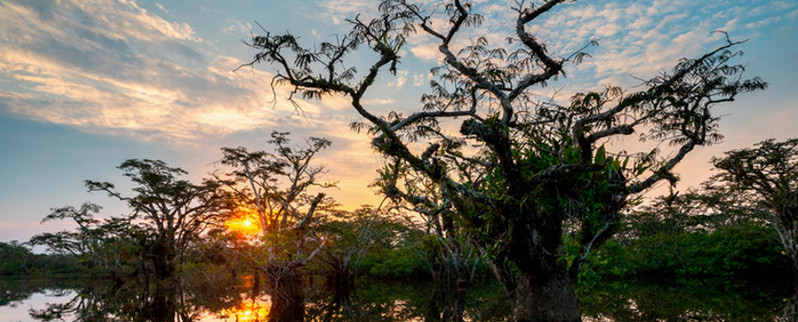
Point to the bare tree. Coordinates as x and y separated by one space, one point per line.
520 169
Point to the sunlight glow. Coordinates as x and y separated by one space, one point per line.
244 221
252 311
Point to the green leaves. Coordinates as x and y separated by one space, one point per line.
601 155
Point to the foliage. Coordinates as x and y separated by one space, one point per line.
767 178
400 255
741 250
18 259
522 170
703 209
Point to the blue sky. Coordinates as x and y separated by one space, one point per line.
86 84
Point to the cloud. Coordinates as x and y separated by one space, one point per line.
420 79
400 80
378 101
238 28
337 10
112 66
426 52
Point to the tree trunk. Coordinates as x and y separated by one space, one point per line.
340 282
790 311
162 306
286 292
544 297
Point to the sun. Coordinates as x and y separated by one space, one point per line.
244 221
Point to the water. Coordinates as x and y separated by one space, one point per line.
67 299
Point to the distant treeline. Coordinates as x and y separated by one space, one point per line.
18 259
743 250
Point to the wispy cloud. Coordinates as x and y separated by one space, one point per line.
114 66
339 10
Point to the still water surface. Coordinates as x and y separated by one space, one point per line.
685 300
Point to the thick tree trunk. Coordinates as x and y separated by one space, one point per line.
287 293
537 290
340 282
162 306
545 297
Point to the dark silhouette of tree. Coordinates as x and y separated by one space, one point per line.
106 246
167 214
170 212
521 170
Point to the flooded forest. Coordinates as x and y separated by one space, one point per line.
498 203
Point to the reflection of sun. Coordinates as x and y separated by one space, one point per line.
252 311
244 221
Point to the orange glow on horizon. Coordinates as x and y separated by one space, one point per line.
245 221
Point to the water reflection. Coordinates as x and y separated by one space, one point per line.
684 300
696 300
253 310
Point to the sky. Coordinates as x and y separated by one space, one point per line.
87 84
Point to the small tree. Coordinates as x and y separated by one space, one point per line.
521 169
108 246
768 176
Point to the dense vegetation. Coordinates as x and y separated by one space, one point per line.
19 260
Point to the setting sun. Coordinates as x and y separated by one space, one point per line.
245 221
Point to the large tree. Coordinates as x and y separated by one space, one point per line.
518 171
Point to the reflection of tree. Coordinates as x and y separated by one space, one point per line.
15 291
410 301
106 301
696 300
103 301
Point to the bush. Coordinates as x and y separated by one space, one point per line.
745 249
